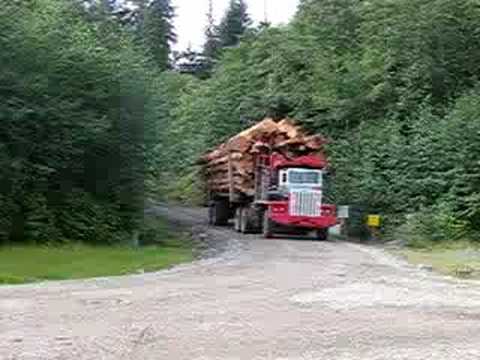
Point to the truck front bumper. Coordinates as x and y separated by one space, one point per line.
320 222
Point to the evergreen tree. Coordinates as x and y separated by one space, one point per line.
234 24
157 30
212 42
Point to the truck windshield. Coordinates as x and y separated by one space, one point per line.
304 177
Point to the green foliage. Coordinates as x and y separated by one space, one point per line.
187 188
156 30
78 125
39 222
433 225
83 219
211 34
426 52
7 210
234 24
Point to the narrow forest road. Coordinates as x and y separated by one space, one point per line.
275 299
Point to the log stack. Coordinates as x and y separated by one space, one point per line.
231 166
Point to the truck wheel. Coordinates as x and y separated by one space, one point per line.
267 226
237 221
322 234
219 213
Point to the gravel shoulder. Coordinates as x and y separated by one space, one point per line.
249 299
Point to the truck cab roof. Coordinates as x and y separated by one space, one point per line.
316 161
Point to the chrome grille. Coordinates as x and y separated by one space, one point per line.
305 203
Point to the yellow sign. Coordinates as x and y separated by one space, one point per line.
373 220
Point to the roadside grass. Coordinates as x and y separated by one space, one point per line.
31 264
460 259
26 264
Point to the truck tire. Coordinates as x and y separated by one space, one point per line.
219 213
267 228
321 234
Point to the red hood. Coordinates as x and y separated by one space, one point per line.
308 161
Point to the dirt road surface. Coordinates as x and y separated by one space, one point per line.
260 299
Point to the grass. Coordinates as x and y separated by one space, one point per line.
25 264
456 259
31 264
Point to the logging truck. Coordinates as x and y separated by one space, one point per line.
270 179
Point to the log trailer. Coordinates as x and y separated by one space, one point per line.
270 179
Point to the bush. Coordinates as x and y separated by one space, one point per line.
433 225
40 225
7 212
82 218
187 189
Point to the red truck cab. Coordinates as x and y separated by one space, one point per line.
295 195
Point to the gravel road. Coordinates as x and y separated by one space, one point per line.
259 299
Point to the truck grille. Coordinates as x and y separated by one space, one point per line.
306 203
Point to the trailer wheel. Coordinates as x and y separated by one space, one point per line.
219 213
322 234
267 226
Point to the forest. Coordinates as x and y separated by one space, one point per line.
99 114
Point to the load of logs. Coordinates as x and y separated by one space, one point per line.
231 166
